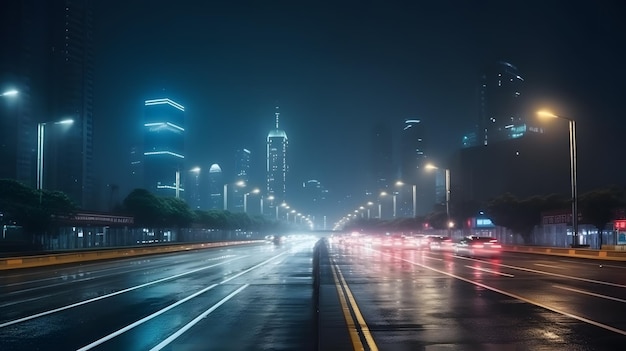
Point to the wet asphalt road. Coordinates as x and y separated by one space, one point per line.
421 300
253 297
266 297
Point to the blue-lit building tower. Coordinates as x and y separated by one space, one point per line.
216 187
276 168
164 145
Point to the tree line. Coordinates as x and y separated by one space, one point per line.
36 211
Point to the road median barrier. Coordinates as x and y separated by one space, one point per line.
604 254
93 255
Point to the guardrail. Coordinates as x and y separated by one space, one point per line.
92 255
604 254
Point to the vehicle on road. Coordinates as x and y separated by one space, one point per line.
440 243
478 246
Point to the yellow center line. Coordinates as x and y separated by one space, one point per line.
356 340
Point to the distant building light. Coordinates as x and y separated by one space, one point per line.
163 153
160 125
165 101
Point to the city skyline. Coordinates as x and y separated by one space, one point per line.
338 69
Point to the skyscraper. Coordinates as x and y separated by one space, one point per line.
164 143
216 187
381 151
47 54
276 169
499 103
412 161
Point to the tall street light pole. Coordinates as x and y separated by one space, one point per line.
41 127
573 170
245 199
414 201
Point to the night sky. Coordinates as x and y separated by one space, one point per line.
337 67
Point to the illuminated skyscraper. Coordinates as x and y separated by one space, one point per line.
164 143
216 187
277 167
499 103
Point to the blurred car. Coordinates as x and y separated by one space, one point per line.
440 243
478 246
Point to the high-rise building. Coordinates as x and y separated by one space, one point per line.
500 107
216 187
412 152
47 54
381 151
276 168
413 158
242 176
164 144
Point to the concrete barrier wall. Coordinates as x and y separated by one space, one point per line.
617 255
92 255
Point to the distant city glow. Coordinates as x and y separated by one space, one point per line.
165 101
163 153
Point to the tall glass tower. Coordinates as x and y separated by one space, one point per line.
500 114
276 168
164 143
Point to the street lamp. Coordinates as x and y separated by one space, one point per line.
573 169
395 194
240 183
369 204
382 193
11 92
245 199
197 170
270 198
40 145
447 174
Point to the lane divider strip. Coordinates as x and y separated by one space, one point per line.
345 293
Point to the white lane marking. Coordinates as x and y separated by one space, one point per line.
596 264
548 266
518 297
490 271
145 319
37 315
563 276
195 321
591 294
159 312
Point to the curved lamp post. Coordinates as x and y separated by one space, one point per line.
573 169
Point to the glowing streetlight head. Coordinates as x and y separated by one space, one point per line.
256 191
240 183
545 113
431 166
399 183
195 169
383 193
11 92
65 121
